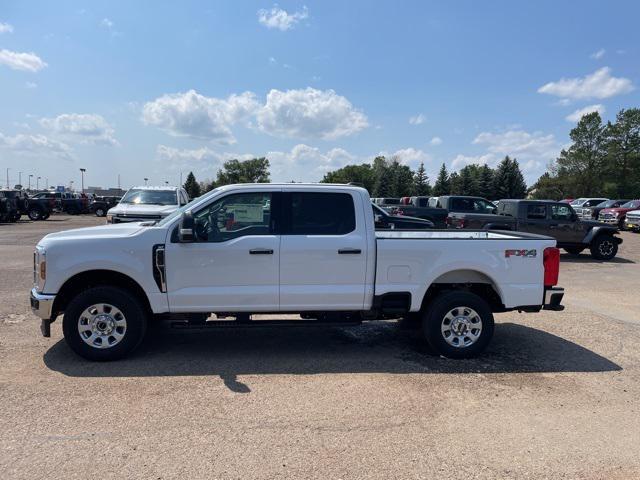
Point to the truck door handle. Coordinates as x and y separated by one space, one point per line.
349 251
261 251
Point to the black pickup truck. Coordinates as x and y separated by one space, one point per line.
385 221
9 211
101 205
418 207
546 217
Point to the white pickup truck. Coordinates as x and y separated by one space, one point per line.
309 249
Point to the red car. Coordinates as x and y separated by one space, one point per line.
618 215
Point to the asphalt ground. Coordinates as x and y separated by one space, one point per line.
555 396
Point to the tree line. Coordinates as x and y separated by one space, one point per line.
603 160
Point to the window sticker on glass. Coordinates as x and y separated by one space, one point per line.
246 213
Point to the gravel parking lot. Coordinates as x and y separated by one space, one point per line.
556 395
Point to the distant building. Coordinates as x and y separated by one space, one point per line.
105 192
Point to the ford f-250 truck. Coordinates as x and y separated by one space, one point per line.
289 248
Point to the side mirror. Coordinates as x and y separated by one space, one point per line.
186 228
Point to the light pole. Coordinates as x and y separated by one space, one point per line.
82 170
38 183
20 179
46 180
29 188
145 180
8 177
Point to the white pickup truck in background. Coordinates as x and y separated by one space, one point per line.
310 249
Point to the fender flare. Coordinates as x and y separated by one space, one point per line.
600 230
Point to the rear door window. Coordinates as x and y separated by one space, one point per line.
315 213
560 211
537 212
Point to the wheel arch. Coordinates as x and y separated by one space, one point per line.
468 280
94 278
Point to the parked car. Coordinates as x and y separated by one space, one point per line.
553 219
418 207
633 220
582 206
386 203
595 211
317 253
8 206
66 202
101 205
383 220
616 216
146 203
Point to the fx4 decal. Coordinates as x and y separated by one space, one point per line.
520 253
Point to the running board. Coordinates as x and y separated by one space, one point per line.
260 323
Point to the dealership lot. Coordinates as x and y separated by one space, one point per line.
555 396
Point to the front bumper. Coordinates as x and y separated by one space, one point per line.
611 221
553 298
42 306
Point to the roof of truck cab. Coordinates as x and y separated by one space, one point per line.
294 186
150 187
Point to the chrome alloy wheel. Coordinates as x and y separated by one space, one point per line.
606 248
102 325
461 327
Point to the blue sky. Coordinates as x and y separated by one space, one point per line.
143 89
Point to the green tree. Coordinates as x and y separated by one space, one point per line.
485 182
622 169
362 174
467 181
401 179
581 166
508 180
421 186
548 187
382 186
454 184
443 183
255 170
192 186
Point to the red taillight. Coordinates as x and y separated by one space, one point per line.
461 223
551 261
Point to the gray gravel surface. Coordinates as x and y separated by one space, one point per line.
556 395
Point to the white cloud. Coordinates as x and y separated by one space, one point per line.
599 84
34 146
435 141
461 161
309 113
599 54
281 19
306 164
193 115
6 28
417 119
106 23
578 114
408 156
88 128
29 62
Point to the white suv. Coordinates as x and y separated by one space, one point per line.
582 206
141 204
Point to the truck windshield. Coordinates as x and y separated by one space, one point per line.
578 201
151 197
631 204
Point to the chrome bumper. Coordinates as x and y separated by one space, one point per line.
42 306
609 220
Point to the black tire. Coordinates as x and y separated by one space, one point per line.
45 216
467 306
574 250
129 306
34 214
100 212
604 247
17 217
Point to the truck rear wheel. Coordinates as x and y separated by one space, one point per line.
458 324
604 247
104 323
34 214
100 212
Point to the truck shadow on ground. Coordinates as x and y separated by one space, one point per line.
587 258
374 347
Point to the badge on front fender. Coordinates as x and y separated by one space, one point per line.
520 253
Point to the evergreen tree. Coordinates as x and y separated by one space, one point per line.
466 183
443 183
192 186
508 180
421 185
454 184
485 182
382 178
401 179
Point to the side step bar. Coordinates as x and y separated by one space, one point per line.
260 323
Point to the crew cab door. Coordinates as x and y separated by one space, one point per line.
564 224
323 257
233 265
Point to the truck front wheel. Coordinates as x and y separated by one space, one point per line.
604 247
458 324
104 323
